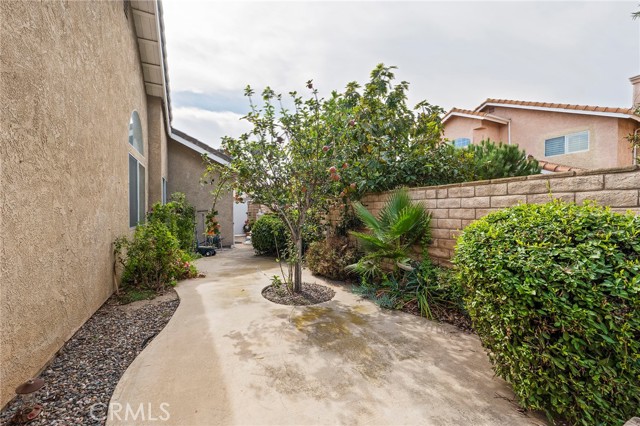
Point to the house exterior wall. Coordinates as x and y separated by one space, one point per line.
453 207
158 163
185 169
529 128
70 78
475 129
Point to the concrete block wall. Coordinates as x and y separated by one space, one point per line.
453 207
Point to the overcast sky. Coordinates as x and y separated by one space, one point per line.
452 53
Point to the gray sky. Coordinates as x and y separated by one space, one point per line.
452 53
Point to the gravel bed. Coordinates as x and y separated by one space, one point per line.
311 294
88 367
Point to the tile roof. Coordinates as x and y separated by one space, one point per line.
467 112
553 167
581 108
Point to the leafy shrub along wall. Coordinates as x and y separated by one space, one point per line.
554 294
453 207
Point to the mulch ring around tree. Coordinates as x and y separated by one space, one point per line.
311 294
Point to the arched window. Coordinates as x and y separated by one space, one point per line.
135 132
137 173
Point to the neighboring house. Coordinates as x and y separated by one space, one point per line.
577 136
86 148
185 169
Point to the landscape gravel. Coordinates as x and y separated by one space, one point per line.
80 380
311 294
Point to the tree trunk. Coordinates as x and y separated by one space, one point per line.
297 274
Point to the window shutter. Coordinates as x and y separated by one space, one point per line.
554 146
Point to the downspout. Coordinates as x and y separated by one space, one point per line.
509 132
635 147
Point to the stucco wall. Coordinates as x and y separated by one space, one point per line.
70 78
453 207
185 170
158 166
530 128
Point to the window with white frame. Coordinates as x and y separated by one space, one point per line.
137 207
135 132
567 144
137 173
461 142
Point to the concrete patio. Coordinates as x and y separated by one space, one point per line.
228 356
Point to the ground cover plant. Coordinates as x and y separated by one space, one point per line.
554 294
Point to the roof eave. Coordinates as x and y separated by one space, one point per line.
561 110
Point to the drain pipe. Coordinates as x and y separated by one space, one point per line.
509 132
635 147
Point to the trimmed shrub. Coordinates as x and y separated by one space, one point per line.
554 294
269 235
329 258
152 259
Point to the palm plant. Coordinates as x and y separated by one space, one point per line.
400 225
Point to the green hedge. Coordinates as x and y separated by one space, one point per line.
269 235
554 294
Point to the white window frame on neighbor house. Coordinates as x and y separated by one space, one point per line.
137 172
567 143
458 142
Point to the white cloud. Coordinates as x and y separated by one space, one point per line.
209 126
452 53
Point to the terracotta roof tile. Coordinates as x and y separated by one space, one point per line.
553 167
479 114
618 110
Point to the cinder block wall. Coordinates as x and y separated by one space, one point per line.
453 207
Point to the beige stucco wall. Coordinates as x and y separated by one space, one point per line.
185 169
70 78
158 165
530 128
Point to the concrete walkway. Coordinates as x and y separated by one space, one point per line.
228 356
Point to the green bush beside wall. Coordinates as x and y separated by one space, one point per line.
554 294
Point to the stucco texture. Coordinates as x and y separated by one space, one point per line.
608 147
158 165
185 169
70 78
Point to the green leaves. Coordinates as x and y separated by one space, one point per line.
553 291
400 225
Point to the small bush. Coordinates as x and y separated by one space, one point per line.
152 259
269 236
179 216
554 294
329 258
